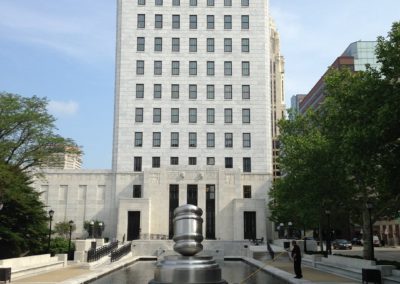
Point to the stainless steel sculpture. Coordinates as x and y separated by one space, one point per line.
187 268
188 226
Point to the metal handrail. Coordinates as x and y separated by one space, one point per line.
120 252
96 254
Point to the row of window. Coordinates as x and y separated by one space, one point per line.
176 45
228 115
210 139
192 161
175 91
176 22
193 3
210 189
175 68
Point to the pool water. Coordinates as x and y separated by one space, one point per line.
143 271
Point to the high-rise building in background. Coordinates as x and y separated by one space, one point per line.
295 102
356 56
70 160
192 123
363 53
277 70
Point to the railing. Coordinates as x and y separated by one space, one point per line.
96 254
120 252
257 241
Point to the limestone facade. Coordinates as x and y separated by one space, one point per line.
226 169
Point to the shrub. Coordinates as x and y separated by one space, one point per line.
60 245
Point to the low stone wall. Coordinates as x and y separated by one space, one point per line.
351 267
217 249
227 248
348 262
23 266
82 246
151 247
27 260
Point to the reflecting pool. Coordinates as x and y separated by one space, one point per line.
143 271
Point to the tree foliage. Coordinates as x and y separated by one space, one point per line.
27 140
63 229
60 245
346 153
310 173
23 220
27 132
95 230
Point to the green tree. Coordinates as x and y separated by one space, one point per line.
60 245
362 117
27 132
388 117
96 227
27 140
63 228
347 153
310 173
23 221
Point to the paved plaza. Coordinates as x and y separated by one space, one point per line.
55 276
75 273
381 253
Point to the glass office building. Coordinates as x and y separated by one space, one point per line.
363 53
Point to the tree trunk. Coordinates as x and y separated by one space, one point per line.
366 235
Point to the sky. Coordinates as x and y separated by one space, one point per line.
65 50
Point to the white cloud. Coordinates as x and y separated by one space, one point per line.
60 108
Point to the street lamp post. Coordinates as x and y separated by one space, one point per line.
371 238
1 205
51 214
100 229
71 223
289 229
328 240
91 229
281 230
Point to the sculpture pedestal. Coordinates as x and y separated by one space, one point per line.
187 269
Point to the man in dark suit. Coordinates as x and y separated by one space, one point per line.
296 255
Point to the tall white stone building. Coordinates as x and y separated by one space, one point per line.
192 124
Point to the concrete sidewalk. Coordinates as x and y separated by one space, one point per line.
309 273
55 276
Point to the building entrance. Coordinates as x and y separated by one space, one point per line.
249 225
133 225
173 203
192 194
210 211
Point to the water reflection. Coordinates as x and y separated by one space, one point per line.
143 271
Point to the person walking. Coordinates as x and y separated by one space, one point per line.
296 256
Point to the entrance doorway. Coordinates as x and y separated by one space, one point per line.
173 203
249 219
210 211
192 194
133 225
